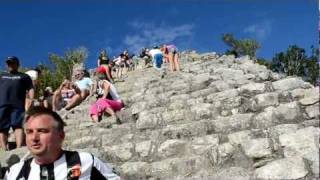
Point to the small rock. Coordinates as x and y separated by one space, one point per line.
257 148
136 170
288 168
290 83
240 137
143 148
171 147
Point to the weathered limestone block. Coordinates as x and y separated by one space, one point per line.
180 97
135 170
264 75
230 104
86 141
278 130
147 120
290 83
162 169
313 111
171 147
180 87
115 136
202 93
218 155
289 112
304 143
138 107
231 173
177 104
200 81
226 73
228 94
276 76
250 67
144 148
202 111
233 123
175 115
265 100
225 150
252 88
309 100
195 101
305 93
199 128
257 148
169 168
240 137
287 168
220 85
200 145
265 119
121 152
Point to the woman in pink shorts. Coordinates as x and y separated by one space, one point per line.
109 101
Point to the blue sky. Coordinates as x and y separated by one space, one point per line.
31 29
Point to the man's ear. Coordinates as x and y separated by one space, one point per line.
62 135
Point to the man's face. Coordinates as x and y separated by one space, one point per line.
42 137
12 66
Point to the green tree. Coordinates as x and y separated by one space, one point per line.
291 62
295 62
240 47
312 66
60 67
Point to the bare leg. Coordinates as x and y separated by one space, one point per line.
95 118
4 140
84 94
74 101
171 62
113 114
55 100
19 137
176 62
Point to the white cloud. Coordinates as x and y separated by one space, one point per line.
151 33
260 30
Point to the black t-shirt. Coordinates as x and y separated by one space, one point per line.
13 88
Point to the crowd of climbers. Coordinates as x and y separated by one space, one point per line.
17 96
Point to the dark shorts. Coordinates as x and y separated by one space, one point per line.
11 117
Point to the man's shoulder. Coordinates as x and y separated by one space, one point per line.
83 155
19 75
15 169
17 165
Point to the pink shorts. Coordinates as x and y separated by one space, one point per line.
102 104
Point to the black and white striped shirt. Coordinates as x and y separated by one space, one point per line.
90 166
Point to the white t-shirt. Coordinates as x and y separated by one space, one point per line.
113 92
84 84
153 52
33 74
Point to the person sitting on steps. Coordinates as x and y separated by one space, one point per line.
108 102
67 96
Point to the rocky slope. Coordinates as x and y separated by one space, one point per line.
220 118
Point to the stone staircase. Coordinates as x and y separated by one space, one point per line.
220 118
